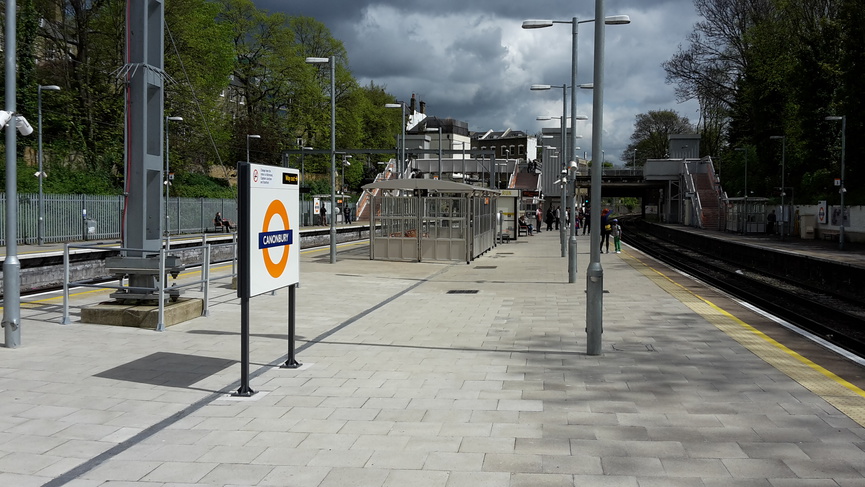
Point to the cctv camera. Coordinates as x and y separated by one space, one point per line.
21 123
24 127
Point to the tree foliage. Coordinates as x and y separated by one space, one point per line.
232 70
763 68
651 135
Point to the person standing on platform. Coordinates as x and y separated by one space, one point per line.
558 216
323 213
586 223
539 216
550 219
605 230
616 230
347 213
770 222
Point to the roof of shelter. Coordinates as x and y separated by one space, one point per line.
426 184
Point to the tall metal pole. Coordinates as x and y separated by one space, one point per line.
595 273
333 159
783 153
40 229
167 178
563 164
783 188
41 220
440 151
843 119
843 187
11 266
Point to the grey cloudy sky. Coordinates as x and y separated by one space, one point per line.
472 61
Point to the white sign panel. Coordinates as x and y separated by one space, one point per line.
274 237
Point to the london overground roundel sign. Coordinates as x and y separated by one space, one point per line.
274 243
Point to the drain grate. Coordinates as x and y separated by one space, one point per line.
486 267
463 291
633 347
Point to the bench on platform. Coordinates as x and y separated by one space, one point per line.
522 230
830 234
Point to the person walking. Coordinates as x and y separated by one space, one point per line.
616 230
550 219
347 213
558 216
587 223
605 230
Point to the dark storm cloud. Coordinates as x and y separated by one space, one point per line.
472 61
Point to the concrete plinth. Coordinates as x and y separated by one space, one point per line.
141 316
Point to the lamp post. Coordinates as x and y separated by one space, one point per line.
167 179
439 130
41 174
250 136
332 61
783 189
634 162
843 119
745 225
399 164
563 196
345 164
302 152
595 273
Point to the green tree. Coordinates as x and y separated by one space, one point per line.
651 134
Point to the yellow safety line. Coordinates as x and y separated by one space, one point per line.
846 397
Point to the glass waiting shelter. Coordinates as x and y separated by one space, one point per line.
428 219
746 215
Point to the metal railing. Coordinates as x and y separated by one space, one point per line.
161 289
70 217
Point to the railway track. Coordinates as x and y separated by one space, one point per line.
837 320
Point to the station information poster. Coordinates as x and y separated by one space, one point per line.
272 239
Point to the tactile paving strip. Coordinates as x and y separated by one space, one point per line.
841 394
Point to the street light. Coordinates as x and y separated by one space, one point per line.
250 136
595 273
401 161
843 119
745 151
345 164
439 130
302 151
41 174
563 197
783 189
167 179
332 61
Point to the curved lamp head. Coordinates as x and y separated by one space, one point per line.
540 87
617 19
537 24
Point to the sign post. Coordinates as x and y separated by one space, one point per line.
269 211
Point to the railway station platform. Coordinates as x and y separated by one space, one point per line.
436 374
853 253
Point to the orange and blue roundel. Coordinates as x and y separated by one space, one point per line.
277 238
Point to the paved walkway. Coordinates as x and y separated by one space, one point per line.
406 383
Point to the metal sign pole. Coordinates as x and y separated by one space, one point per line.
291 362
243 275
